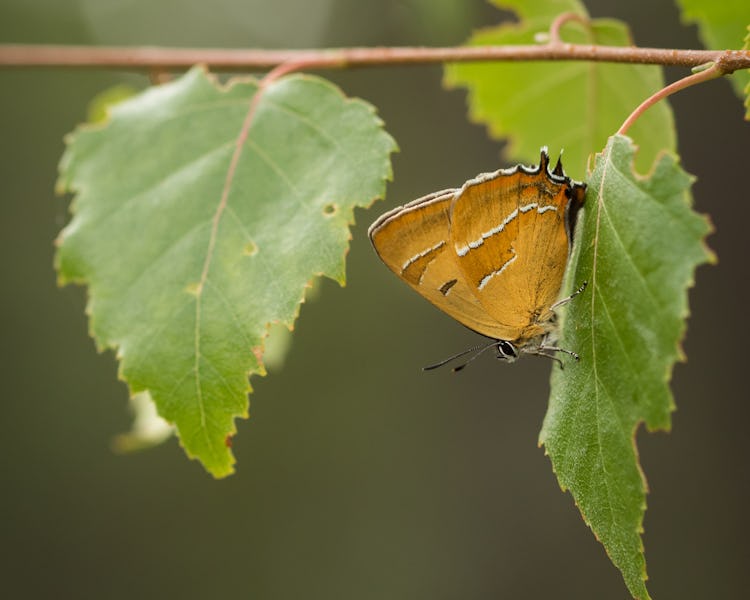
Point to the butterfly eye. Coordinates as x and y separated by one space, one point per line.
506 351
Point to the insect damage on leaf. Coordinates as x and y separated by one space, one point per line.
181 230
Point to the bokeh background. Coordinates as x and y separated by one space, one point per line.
358 475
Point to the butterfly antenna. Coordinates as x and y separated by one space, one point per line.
478 349
464 365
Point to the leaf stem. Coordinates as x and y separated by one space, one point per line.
712 72
148 58
560 20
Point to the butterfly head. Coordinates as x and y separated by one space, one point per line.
506 351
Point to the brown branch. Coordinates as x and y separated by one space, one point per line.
149 58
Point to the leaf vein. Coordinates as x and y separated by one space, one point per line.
605 478
303 119
615 235
230 309
634 371
107 216
155 335
134 285
279 172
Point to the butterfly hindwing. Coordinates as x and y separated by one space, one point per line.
509 233
413 241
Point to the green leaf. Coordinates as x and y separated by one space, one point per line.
721 26
187 261
640 243
572 105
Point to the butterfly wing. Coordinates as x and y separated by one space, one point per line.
510 232
413 241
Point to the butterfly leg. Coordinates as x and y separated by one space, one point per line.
546 350
564 301
550 356
549 352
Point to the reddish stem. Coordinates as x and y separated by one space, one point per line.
712 72
560 20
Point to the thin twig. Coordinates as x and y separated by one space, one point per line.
146 58
712 72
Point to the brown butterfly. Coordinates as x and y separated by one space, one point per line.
491 254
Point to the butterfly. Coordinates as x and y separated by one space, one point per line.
491 254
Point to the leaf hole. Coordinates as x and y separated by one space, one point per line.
330 209
250 249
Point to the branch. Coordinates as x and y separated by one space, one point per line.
149 58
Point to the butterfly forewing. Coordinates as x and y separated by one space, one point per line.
413 241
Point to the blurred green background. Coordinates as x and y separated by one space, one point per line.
358 475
